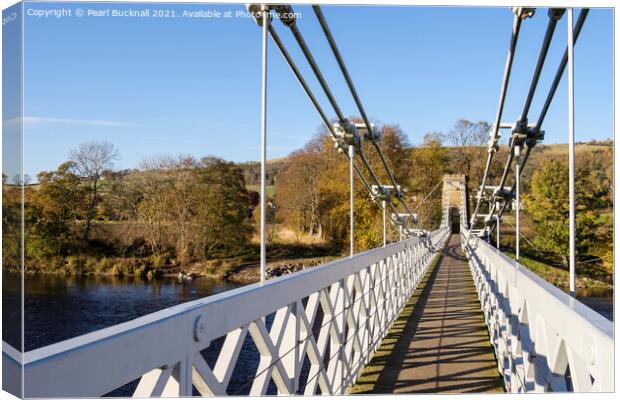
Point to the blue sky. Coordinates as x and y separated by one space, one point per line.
192 85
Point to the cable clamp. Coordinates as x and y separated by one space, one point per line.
380 193
373 136
519 133
257 12
346 135
533 136
524 12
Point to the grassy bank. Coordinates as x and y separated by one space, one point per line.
240 266
589 276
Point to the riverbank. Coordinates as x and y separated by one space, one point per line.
590 283
241 267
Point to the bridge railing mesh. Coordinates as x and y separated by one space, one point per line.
305 333
544 339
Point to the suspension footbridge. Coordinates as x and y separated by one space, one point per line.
445 308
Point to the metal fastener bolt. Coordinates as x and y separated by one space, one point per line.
200 329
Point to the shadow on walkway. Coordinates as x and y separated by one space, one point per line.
440 342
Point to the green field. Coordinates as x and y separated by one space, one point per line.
271 189
559 276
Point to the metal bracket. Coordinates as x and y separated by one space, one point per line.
373 136
533 136
380 193
346 136
504 194
519 133
524 12
524 133
257 12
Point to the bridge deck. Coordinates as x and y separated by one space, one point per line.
440 342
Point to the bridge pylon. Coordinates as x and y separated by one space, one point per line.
455 200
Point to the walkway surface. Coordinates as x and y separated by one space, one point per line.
440 342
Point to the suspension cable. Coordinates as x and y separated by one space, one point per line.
552 91
554 16
319 109
516 27
558 75
316 70
347 76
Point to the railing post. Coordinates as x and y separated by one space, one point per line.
498 243
517 153
351 200
383 204
571 152
263 149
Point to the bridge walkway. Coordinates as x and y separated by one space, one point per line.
440 342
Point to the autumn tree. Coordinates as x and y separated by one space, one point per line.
548 206
182 203
313 189
53 213
221 200
469 152
397 150
299 200
90 160
11 224
429 164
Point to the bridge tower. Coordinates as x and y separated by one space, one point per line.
455 192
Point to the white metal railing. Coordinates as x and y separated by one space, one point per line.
358 299
544 339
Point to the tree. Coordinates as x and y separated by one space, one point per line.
299 199
313 188
397 150
90 160
11 224
182 204
53 212
468 139
150 189
548 206
221 202
430 163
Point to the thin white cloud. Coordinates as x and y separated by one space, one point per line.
173 138
32 121
196 121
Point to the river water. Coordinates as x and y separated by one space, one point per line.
59 307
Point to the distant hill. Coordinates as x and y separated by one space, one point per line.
251 169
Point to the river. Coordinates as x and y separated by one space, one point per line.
58 307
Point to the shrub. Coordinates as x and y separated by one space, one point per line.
104 265
74 265
159 261
90 265
141 271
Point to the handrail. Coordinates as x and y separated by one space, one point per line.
544 339
364 293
